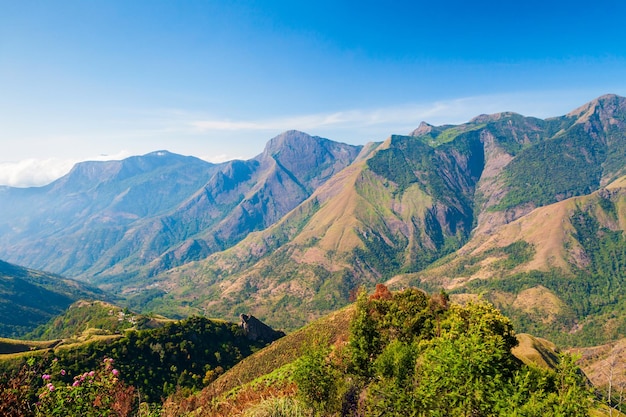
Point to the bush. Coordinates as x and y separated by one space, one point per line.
317 379
92 394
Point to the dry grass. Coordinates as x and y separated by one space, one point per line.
535 350
234 405
13 346
618 183
234 388
604 363
539 302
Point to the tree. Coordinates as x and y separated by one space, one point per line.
317 379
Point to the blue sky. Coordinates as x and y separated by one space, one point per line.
217 79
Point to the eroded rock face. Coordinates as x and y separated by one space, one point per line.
255 329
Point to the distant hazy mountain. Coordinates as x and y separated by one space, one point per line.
149 213
290 234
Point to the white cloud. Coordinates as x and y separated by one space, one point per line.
217 159
37 172
33 172
404 118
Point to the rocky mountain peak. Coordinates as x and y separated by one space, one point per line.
423 129
288 139
606 106
487 118
255 329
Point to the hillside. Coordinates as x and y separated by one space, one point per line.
557 271
84 318
366 349
155 355
30 298
396 354
415 199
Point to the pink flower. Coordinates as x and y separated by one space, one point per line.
115 372
63 372
50 387
45 377
76 383
91 373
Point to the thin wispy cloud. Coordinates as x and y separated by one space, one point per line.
393 119
341 119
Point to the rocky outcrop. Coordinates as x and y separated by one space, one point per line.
255 329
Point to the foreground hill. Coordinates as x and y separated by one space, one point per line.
30 298
155 355
397 352
400 353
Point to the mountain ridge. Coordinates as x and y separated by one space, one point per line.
291 233
441 195
155 211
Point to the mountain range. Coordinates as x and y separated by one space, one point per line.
528 212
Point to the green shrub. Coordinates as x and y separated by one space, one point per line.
95 393
317 379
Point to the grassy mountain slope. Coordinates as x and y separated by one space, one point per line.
30 298
415 199
557 271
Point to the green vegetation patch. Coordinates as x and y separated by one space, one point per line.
538 177
595 295
186 354
411 354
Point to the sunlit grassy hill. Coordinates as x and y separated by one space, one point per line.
557 271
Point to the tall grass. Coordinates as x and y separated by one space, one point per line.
278 407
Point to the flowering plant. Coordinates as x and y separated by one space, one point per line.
95 393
